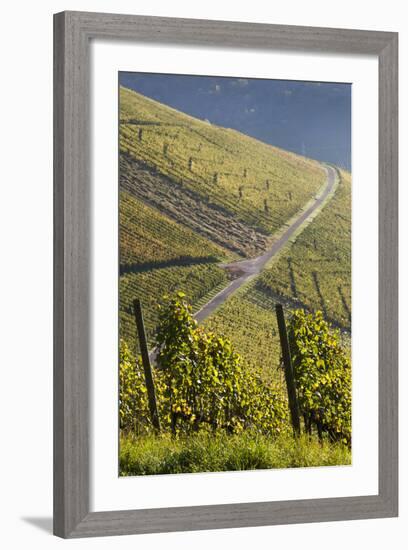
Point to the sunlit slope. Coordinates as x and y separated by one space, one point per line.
248 319
199 282
149 238
232 189
314 272
158 257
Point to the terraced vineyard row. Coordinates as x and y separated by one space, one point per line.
198 282
248 319
257 184
188 209
149 237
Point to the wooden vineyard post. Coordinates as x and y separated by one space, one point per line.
151 394
289 376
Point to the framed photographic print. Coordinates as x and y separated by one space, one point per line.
225 274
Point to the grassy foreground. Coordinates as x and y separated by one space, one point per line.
150 455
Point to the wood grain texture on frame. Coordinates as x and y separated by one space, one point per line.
72 206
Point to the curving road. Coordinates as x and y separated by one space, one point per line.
249 268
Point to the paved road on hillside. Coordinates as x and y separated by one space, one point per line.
250 268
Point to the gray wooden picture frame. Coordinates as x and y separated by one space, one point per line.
72 202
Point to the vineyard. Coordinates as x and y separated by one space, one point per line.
193 195
195 200
247 181
315 272
248 320
158 257
145 235
199 282
208 400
